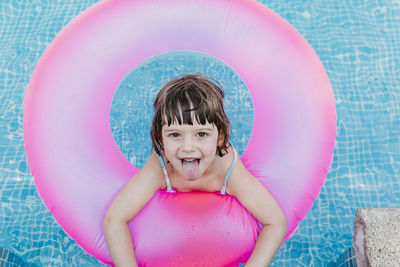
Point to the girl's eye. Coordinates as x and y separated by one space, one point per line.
174 135
202 134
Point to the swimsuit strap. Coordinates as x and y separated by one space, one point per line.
223 190
169 187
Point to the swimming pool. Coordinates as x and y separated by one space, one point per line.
358 42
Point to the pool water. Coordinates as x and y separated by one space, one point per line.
358 43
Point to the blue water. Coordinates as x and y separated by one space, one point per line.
358 43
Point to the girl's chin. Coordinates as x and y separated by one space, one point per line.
190 179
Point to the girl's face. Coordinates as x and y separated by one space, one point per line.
191 149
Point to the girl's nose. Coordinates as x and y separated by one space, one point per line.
188 144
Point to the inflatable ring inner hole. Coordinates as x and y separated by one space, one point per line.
132 111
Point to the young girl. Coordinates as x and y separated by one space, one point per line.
190 135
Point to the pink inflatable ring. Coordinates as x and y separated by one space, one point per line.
78 168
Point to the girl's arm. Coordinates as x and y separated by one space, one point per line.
129 201
257 200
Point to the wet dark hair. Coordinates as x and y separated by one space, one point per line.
179 97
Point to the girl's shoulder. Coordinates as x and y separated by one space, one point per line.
152 171
224 163
239 176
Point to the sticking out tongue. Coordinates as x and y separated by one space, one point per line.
190 169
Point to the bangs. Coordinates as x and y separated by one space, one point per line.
183 107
